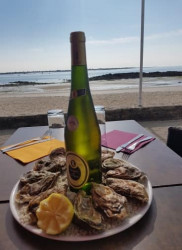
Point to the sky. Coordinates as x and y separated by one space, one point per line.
34 34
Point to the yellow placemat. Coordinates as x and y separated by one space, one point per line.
33 152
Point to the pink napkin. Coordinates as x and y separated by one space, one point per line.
116 138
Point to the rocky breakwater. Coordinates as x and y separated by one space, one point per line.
133 75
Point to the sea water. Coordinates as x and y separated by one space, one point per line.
49 77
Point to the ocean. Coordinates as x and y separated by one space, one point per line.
64 76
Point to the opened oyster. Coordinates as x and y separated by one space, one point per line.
105 198
57 162
43 181
31 177
85 212
129 188
112 163
106 154
60 187
124 172
58 153
56 165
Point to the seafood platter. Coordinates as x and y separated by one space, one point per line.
122 199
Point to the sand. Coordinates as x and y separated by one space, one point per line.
32 100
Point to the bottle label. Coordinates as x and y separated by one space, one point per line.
78 92
77 170
72 123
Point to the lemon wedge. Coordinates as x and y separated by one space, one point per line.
55 214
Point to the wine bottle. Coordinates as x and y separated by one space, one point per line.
82 133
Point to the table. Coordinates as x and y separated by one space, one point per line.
162 165
160 228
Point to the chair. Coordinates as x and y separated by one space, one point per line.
174 139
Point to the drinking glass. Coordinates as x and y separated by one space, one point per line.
100 112
56 123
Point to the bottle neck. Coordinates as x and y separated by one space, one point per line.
78 53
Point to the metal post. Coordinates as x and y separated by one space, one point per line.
141 52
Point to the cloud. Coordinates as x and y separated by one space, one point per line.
131 39
164 35
128 39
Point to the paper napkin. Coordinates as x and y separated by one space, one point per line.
33 152
116 138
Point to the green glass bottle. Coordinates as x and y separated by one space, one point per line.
82 133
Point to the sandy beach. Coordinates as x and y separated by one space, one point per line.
35 99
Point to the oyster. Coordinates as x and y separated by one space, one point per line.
59 187
113 204
85 212
124 172
56 165
46 181
106 154
129 188
31 177
58 152
112 163
34 203
57 162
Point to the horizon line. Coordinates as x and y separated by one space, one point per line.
67 70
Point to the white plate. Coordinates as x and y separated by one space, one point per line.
124 225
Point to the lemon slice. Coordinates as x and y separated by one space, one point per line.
54 214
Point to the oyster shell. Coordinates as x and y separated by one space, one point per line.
85 212
113 204
59 187
58 152
112 163
31 177
56 165
46 181
57 162
124 172
106 154
129 188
